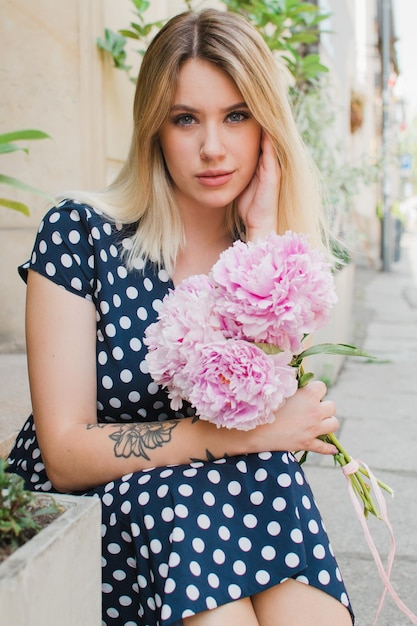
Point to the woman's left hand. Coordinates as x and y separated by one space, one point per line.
258 203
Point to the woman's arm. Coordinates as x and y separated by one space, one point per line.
79 453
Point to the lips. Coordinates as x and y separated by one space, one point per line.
214 178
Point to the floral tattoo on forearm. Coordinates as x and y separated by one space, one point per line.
137 439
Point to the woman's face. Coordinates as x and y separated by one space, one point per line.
210 141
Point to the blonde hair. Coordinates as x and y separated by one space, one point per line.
142 191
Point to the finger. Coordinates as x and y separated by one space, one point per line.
328 408
322 447
269 157
328 425
318 388
266 143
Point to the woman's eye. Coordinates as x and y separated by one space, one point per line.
237 116
184 120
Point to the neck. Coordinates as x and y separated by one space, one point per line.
205 239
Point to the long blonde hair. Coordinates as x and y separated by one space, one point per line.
142 191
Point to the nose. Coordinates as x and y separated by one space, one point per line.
212 142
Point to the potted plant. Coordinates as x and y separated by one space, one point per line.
50 547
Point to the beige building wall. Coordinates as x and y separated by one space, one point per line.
54 78
50 79
349 49
367 139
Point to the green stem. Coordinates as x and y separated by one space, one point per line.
331 438
361 488
383 485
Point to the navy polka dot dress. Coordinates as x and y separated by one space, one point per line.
180 539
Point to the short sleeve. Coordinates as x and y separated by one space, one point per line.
63 250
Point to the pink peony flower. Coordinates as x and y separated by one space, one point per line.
274 291
236 385
202 349
185 323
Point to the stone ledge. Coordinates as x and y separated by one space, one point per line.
6 445
55 578
15 404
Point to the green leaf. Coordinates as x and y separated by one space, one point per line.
304 37
19 184
46 510
136 34
305 379
18 135
303 457
311 59
7 139
5 148
16 206
268 348
335 348
114 44
141 5
301 7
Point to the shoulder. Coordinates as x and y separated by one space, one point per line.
71 213
74 222
72 239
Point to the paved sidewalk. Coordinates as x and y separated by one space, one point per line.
377 408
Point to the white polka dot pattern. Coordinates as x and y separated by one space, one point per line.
182 539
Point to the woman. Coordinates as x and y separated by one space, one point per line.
200 525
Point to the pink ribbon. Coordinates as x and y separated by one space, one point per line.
351 468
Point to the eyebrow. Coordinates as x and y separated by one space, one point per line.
186 107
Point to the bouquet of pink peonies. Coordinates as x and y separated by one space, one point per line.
231 343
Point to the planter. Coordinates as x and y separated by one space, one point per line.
55 578
326 367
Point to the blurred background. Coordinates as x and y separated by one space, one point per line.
70 74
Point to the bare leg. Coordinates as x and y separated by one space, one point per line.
293 603
235 613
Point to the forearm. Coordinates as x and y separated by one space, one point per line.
87 455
